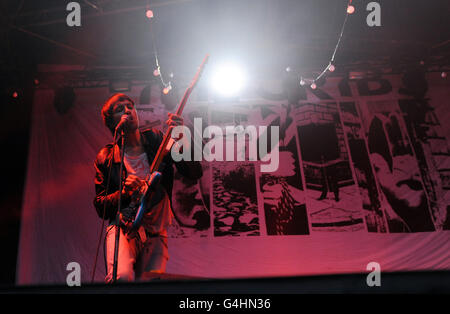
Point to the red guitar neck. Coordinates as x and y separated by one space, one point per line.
166 144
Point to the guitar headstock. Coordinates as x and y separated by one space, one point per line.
199 71
191 87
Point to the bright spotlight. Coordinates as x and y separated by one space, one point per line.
228 80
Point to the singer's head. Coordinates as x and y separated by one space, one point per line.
115 107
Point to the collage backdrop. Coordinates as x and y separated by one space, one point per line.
363 177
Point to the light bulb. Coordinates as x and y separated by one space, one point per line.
350 9
149 14
167 89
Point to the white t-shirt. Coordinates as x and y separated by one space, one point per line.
160 216
137 165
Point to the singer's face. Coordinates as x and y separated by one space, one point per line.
122 107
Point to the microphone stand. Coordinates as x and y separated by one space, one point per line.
116 245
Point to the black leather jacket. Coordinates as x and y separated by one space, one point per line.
151 139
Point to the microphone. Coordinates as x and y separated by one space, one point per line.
124 119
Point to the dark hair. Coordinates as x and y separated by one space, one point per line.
107 113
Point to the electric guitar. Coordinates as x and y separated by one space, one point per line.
164 148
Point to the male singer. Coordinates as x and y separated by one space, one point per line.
144 250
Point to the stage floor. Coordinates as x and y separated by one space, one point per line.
400 282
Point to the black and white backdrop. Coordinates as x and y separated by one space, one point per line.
363 177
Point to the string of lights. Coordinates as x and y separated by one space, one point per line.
157 72
331 67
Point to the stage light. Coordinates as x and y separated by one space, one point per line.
331 68
444 74
288 69
302 82
350 9
36 82
228 80
15 94
313 85
156 72
167 89
149 13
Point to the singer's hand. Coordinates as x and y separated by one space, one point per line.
127 226
132 183
174 120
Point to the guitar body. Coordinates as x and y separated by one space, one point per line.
152 182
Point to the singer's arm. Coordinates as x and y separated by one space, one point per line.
102 201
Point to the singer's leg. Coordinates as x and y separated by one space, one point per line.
126 257
154 257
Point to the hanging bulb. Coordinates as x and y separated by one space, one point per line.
167 89
350 9
149 13
313 85
444 74
302 82
156 72
331 67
